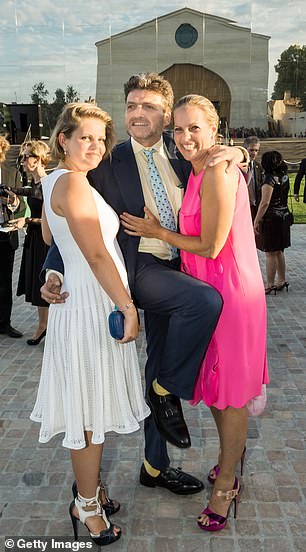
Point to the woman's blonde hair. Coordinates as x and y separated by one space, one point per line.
204 104
70 119
38 149
4 147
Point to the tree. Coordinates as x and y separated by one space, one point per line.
39 94
56 107
60 98
71 94
291 69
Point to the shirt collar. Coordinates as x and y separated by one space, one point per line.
159 146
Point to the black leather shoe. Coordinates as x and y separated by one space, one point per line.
168 417
11 332
38 339
175 480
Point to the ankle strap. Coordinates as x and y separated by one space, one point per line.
229 495
81 502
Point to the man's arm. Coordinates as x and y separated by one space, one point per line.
51 290
53 261
298 179
234 155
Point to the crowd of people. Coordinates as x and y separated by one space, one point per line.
103 236
272 132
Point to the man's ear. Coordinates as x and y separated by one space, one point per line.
167 118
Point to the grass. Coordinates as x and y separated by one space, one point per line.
298 209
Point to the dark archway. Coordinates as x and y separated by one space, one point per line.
194 79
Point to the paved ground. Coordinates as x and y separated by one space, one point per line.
35 480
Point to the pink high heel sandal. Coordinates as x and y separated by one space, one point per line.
216 521
216 469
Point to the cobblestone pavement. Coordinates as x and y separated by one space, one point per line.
36 479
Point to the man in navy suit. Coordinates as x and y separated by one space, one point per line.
180 312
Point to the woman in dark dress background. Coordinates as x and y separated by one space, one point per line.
34 158
273 220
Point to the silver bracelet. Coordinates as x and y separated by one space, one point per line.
126 307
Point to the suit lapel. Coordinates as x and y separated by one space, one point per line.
126 172
177 164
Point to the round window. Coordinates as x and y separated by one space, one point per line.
186 35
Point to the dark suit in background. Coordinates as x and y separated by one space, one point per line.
8 245
175 304
298 179
254 181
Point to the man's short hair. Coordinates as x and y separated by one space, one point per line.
250 140
153 82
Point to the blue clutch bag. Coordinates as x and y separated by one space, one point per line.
116 324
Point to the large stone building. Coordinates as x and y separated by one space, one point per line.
198 53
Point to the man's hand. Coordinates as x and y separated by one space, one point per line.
216 154
296 197
51 290
244 167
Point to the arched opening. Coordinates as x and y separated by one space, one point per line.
194 79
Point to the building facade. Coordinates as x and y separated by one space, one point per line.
198 53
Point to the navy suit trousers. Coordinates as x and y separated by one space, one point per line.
181 314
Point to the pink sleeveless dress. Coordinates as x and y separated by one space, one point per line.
235 365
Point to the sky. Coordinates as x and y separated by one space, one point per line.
54 40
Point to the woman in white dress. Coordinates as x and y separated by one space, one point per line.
90 383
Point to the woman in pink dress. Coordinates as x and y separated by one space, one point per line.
217 246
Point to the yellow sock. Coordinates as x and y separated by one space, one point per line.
159 390
151 471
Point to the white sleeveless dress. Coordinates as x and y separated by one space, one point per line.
89 381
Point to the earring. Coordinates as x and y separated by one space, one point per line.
65 153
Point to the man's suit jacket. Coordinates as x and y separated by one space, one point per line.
117 180
258 170
9 237
298 179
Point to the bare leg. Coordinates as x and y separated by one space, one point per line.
271 266
232 428
217 417
42 321
281 268
86 464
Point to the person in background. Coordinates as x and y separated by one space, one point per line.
273 220
34 156
253 175
9 204
298 179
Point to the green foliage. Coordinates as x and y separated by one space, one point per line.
71 94
40 93
291 69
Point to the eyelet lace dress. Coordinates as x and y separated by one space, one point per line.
89 381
